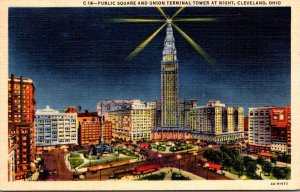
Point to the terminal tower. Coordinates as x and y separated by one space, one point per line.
169 124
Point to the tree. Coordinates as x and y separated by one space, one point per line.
227 162
251 168
207 154
274 160
235 152
247 160
260 160
279 173
267 167
238 165
286 158
215 157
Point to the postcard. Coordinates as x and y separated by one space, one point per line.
149 95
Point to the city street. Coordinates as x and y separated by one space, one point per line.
54 162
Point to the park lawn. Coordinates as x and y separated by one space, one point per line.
158 176
75 161
74 155
126 152
180 148
231 170
161 148
271 176
245 176
104 161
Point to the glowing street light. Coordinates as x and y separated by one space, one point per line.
159 157
195 155
179 157
206 165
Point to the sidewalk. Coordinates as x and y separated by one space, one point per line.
168 175
233 176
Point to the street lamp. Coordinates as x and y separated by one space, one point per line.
195 155
159 157
179 157
100 168
206 165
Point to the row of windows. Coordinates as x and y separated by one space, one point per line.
259 113
60 117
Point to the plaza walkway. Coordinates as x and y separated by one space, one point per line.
168 176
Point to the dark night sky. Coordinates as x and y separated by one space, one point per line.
76 58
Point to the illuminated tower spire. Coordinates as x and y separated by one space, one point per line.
169 82
169 52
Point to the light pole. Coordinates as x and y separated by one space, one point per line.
195 155
178 157
206 165
100 168
159 158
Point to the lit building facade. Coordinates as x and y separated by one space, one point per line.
288 127
216 123
55 128
21 133
269 129
259 132
169 126
89 128
246 127
133 121
280 121
169 82
12 147
106 132
103 107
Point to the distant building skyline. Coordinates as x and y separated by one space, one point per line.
82 61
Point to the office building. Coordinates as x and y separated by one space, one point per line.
133 121
106 132
246 127
169 126
55 128
216 123
21 108
259 133
280 122
269 129
89 128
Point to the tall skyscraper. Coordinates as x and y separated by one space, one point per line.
169 124
21 108
169 82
